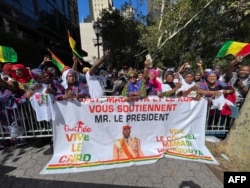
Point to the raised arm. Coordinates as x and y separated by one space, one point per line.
146 67
75 62
234 62
46 59
183 66
200 67
98 63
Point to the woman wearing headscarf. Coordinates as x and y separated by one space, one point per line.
71 87
154 86
41 95
43 83
213 87
22 75
5 74
13 84
215 90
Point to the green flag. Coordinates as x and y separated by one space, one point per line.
60 65
7 54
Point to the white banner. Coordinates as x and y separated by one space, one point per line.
105 133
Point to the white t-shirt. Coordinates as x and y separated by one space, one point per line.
95 89
42 104
185 86
166 87
102 80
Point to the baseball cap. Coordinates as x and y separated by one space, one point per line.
126 127
85 69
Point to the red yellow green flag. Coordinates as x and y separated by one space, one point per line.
7 54
234 48
72 44
59 64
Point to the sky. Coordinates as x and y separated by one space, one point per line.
83 7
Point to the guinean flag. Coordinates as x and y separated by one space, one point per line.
234 48
56 61
72 44
7 54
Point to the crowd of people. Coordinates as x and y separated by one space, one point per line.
44 84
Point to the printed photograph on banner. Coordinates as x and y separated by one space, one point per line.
127 147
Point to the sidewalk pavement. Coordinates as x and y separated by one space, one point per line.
20 167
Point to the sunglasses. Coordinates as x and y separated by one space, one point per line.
133 77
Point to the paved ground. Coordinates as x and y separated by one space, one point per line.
20 167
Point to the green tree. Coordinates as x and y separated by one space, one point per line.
121 36
191 28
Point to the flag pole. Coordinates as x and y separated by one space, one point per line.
78 60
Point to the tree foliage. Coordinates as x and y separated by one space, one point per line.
121 36
191 28
185 30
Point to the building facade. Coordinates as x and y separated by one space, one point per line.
154 9
97 6
32 26
127 12
88 36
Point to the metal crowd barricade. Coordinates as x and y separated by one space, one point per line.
21 122
217 124
24 116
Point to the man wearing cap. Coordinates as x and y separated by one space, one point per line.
82 76
127 147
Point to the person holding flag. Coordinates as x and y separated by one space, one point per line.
72 44
238 76
93 80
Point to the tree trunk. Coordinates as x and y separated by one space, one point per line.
237 143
